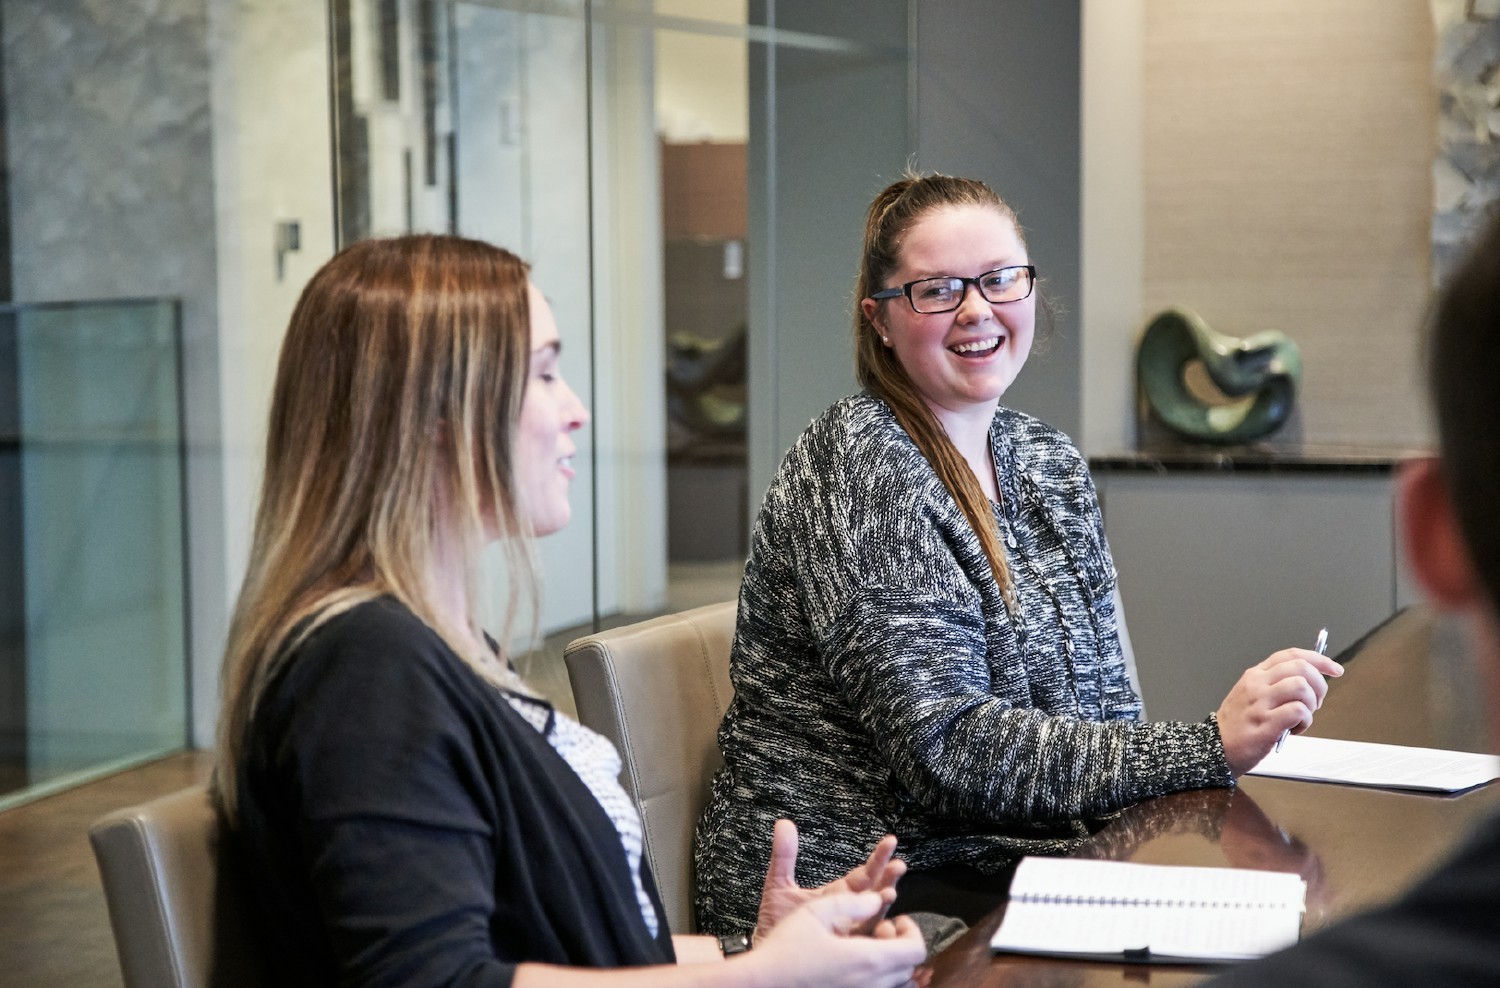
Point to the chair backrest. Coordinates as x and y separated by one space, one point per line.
175 896
658 690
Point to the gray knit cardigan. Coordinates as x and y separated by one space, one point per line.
882 686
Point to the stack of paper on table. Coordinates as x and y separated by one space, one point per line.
1364 763
1118 910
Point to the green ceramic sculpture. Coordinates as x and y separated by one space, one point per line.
1259 375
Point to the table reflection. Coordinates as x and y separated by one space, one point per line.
1407 682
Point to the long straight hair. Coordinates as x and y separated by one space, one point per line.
892 215
391 433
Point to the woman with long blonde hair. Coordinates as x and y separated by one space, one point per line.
410 812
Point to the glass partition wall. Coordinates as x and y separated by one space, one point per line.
687 179
93 635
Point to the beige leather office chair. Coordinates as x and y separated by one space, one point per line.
658 689
174 899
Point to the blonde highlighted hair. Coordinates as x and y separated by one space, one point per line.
390 442
892 215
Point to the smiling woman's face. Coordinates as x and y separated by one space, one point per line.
550 413
960 361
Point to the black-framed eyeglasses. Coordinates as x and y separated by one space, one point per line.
929 295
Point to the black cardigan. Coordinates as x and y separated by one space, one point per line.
402 825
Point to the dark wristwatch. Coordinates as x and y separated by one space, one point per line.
734 943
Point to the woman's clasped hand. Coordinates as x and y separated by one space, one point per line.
1274 696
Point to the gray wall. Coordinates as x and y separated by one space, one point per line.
997 98
993 94
1220 569
831 134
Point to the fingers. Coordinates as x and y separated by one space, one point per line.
907 929
1296 679
901 926
1287 705
908 939
842 912
880 870
846 913
869 926
816 947
1304 664
1292 697
1295 675
880 857
1307 664
1279 694
782 869
879 873
1325 664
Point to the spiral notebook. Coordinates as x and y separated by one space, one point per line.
1168 914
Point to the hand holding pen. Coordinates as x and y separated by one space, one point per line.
1272 699
1321 647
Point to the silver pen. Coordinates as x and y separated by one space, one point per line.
1319 647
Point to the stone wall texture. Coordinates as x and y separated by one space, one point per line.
1466 170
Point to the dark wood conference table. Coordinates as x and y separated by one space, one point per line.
1409 681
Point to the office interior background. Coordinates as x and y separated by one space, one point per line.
688 179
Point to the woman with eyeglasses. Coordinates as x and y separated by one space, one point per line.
927 641
409 812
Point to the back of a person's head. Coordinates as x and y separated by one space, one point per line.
1464 368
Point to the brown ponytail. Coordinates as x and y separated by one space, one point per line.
893 213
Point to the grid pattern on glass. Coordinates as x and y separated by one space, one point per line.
944 294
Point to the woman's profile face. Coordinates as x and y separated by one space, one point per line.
550 413
964 360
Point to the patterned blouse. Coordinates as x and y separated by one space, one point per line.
594 759
882 685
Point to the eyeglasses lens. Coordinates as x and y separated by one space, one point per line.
946 294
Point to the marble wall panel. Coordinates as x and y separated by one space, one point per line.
1466 170
109 149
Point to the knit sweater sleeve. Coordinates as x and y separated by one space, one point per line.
907 633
